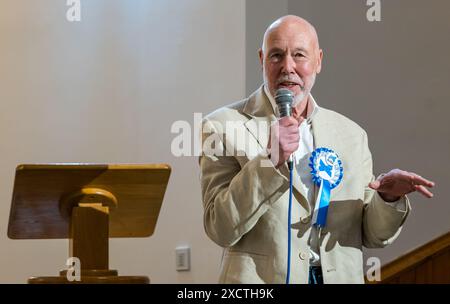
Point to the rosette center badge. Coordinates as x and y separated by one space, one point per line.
325 164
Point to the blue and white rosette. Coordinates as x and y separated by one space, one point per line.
327 173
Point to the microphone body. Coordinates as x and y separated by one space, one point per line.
284 99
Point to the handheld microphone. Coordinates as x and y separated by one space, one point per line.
284 99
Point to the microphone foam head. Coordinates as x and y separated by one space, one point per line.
284 99
283 96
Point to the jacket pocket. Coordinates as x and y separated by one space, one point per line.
243 267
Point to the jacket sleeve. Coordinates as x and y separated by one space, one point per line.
382 221
234 197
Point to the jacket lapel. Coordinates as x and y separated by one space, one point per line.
262 115
325 135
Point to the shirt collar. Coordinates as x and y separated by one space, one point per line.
312 107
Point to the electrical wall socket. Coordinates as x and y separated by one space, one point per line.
182 259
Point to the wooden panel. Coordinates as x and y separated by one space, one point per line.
429 263
441 268
408 277
424 272
391 281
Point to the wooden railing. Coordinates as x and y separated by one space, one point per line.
428 264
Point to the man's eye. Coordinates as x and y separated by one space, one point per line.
299 55
275 56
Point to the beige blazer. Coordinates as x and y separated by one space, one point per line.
245 199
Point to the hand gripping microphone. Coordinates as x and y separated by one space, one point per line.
284 99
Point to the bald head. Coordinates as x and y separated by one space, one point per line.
291 57
292 23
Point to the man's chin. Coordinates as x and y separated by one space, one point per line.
298 99
295 89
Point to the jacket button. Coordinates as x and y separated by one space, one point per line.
305 219
302 256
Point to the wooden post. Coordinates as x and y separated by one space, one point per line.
89 236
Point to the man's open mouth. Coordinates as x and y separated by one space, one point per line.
288 84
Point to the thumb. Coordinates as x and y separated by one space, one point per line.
300 121
375 185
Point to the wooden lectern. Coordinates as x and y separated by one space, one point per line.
87 204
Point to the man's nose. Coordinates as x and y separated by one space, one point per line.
288 65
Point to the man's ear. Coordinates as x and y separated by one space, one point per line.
261 57
319 61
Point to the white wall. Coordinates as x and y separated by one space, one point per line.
259 14
107 90
392 77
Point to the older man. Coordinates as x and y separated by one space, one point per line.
245 183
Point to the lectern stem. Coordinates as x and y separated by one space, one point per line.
89 236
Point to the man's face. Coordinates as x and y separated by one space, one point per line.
291 59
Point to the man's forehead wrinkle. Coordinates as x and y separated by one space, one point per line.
283 48
289 34
302 42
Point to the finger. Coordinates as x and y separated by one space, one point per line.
301 120
293 121
283 121
291 148
375 185
386 181
413 178
288 121
293 138
424 191
419 180
292 129
402 176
